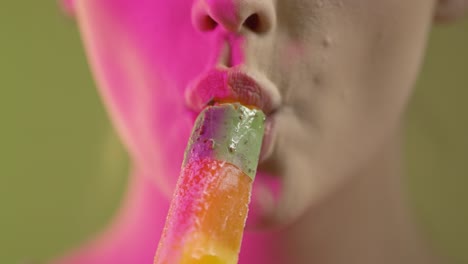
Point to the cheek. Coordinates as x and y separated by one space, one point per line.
144 40
142 57
349 92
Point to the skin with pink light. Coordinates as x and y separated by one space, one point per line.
337 76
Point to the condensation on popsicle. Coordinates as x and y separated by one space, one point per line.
208 212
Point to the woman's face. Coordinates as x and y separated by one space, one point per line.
335 76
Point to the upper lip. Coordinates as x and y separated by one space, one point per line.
232 85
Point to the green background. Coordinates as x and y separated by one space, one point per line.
63 171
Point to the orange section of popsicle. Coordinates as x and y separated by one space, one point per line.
206 222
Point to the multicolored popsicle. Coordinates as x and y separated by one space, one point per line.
206 220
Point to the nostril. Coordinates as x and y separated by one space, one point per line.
207 23
253 23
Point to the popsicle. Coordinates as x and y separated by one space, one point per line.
207 216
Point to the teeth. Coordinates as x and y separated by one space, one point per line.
228 132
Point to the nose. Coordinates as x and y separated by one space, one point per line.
257 16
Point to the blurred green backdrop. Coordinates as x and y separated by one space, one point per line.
63 171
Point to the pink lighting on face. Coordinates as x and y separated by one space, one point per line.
143 58
144 54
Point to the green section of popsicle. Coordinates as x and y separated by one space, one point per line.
228 132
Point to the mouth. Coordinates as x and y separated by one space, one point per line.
225 85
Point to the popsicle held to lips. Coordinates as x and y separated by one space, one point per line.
207 216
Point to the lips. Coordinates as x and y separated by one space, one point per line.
231 85
235 85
